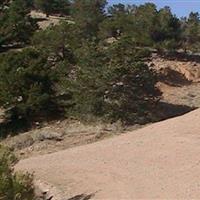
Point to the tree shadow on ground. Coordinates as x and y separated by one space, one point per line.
181 56
41 19
82 197
173 78
12 126
166 110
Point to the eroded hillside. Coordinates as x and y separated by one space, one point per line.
178 81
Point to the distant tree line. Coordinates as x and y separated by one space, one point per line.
93 68
145 24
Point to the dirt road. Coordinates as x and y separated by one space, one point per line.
161 161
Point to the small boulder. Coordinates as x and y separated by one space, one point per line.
50 135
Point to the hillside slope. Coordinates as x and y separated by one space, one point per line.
160 161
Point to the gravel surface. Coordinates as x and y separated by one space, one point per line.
160 161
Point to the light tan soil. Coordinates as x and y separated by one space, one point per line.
44 21
160 161
60 135
188 95
180 95
188 67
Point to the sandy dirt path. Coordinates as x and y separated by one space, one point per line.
161 161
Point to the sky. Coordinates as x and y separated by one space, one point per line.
179 7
